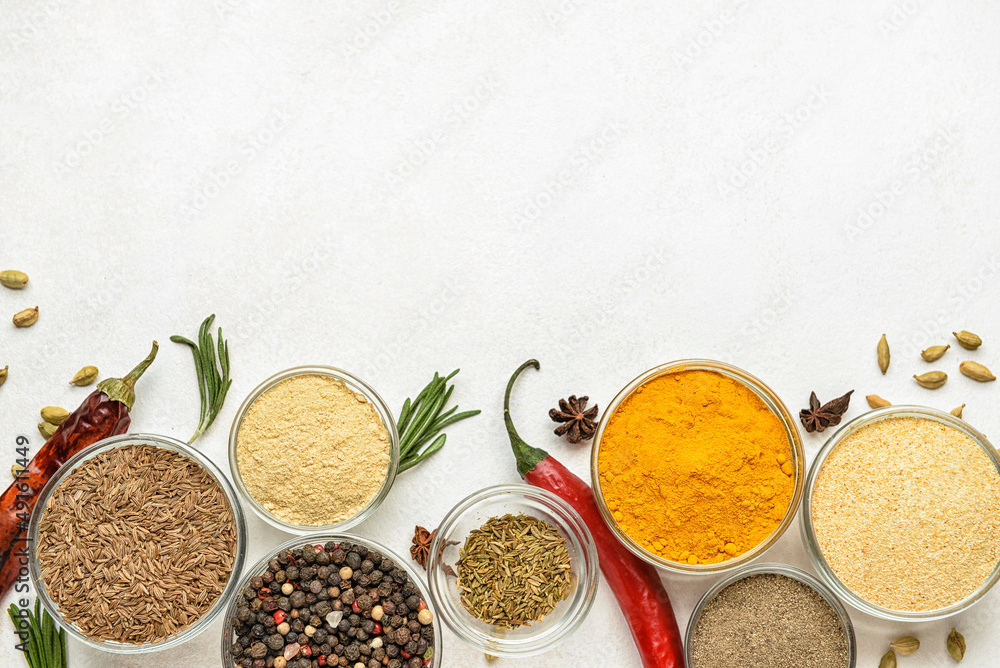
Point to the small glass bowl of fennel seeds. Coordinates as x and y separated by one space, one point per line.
770 615
483 509
137 543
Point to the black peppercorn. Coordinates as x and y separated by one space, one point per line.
322 558
291 637
256 582
298 599
258 650
351 652
315 586
275 641
415 662
292 572
338 556
354 560
392 651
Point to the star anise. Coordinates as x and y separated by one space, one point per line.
818 418
577 418
421 547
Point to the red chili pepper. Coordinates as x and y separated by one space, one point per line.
279 616
354 607
635 583
102 414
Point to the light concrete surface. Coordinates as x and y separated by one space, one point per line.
397 188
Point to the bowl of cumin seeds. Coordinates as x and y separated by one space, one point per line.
134 543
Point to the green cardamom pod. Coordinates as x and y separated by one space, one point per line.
13 279
957 412
956 645
55 414
905 645
876 401
888 661
968 340
46 429
26 318
84 376
934 353
932 380
883 354
976 371
3 375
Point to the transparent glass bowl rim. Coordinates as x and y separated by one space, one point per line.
317 539
356 384
570 523
809 532
241 540
770 399
774 569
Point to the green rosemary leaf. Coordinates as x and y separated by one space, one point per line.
422 418
212 374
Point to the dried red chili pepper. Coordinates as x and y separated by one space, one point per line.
635 583
104 413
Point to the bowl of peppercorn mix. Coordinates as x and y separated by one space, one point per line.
331 600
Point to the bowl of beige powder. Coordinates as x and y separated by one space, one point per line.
313 448
902 514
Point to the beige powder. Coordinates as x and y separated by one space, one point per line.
312 451
907 513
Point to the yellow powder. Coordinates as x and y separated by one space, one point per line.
695 467
312 451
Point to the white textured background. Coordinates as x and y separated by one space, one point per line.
402 187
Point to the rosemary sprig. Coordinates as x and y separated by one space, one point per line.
421 420
46 647
212 383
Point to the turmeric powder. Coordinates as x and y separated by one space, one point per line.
695 467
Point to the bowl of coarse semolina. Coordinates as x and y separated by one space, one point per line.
697 467
902 514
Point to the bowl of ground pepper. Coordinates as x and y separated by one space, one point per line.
313 448
697 467
136 543
902 514
770 615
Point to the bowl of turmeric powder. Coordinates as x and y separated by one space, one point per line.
697 466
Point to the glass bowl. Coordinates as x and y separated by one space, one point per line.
167 443
470 514
356 385
320 538
770 399
774 569
809 531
